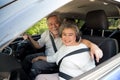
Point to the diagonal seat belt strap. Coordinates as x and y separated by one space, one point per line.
53 43
65 76
72 53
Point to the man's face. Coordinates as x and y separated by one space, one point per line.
53 25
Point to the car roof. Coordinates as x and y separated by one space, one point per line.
79 8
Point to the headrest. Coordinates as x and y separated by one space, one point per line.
96 20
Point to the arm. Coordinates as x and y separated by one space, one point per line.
94 49
39 58
35 43
45 58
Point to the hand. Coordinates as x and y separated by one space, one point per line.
96 51
35 59
25 36
38 58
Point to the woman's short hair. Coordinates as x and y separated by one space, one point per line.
73 26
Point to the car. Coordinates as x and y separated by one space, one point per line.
19 15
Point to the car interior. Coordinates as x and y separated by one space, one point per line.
94 13
97 21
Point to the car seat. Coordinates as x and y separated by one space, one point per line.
10 68
96 21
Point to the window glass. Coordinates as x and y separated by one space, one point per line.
113 23
41 25
80 22
38 28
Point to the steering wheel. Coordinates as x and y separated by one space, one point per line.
8 50
23 48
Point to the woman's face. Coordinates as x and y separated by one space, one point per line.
69 37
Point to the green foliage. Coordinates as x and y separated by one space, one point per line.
113 23
80 23
38 28
41 25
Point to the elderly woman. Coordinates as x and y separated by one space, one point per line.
72 65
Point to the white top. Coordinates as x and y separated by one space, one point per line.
73 65
45 40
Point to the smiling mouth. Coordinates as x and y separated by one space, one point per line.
67 41
55 29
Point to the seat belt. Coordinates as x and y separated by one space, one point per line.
108 37
53 43
63 75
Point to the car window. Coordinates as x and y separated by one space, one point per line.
38 28
41 25
113 23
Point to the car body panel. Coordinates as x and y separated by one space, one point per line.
16 18
101 71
